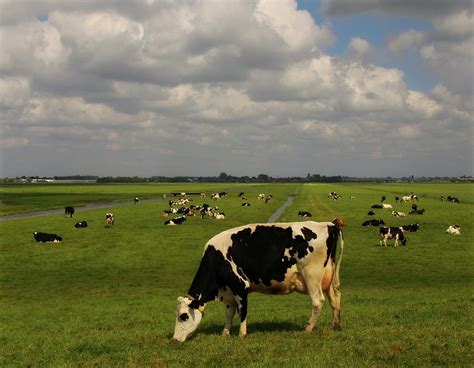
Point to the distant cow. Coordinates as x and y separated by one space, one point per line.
80 224
267 258
109 219
409 198
176 221
246 204
454 230
453 199
304 214
47 238
68 210
219 215
386 205
398 214
392 233
373 223
397 199
261 196
371 213
136 200
383 199
376 206
411 228
241 194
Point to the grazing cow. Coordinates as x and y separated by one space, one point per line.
386 205
244 198
304 214
268 198
383 199
454 230
241 194
411 228
409 198
136 200
392 233
261 196
109 219
246 204
69 210
397 199
371 213
398 214
376 206
176 221
267 258
373 223
47 238
219 195
80 224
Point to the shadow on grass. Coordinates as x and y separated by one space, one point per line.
213 329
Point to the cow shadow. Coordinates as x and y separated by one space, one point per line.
266 326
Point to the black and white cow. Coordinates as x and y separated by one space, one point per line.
80 224
453 199
411 228
176 221
47 238
454 230
392 233
304 214
136 200
246 204
373 223
376 206
267 258
371 213
109 219
68 210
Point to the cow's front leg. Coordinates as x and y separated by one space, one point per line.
242 308
229 315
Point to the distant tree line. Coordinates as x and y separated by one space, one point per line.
225 178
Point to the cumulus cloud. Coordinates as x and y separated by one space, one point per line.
201 87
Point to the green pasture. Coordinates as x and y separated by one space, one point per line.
37 197
106 297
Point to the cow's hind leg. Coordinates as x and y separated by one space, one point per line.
334 297
317 299
229 315
242 309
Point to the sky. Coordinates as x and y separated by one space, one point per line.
367 88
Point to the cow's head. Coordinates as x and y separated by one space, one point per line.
187 319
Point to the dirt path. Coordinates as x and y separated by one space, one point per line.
276 215
77 209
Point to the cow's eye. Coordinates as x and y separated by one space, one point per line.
183 316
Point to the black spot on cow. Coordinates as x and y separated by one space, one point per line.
331 243
308 234
261 253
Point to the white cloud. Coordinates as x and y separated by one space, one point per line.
173 85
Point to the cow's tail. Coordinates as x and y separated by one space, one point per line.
335 278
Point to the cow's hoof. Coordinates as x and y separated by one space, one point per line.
226 333
309 328
337 327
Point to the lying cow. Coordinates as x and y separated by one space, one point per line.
176 221
304 214
376 206
246 204
392 233
68 211
80 224
371 213
373 223
398 214
454 230
410 228
267 258
47 238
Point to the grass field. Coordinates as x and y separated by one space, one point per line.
106 297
